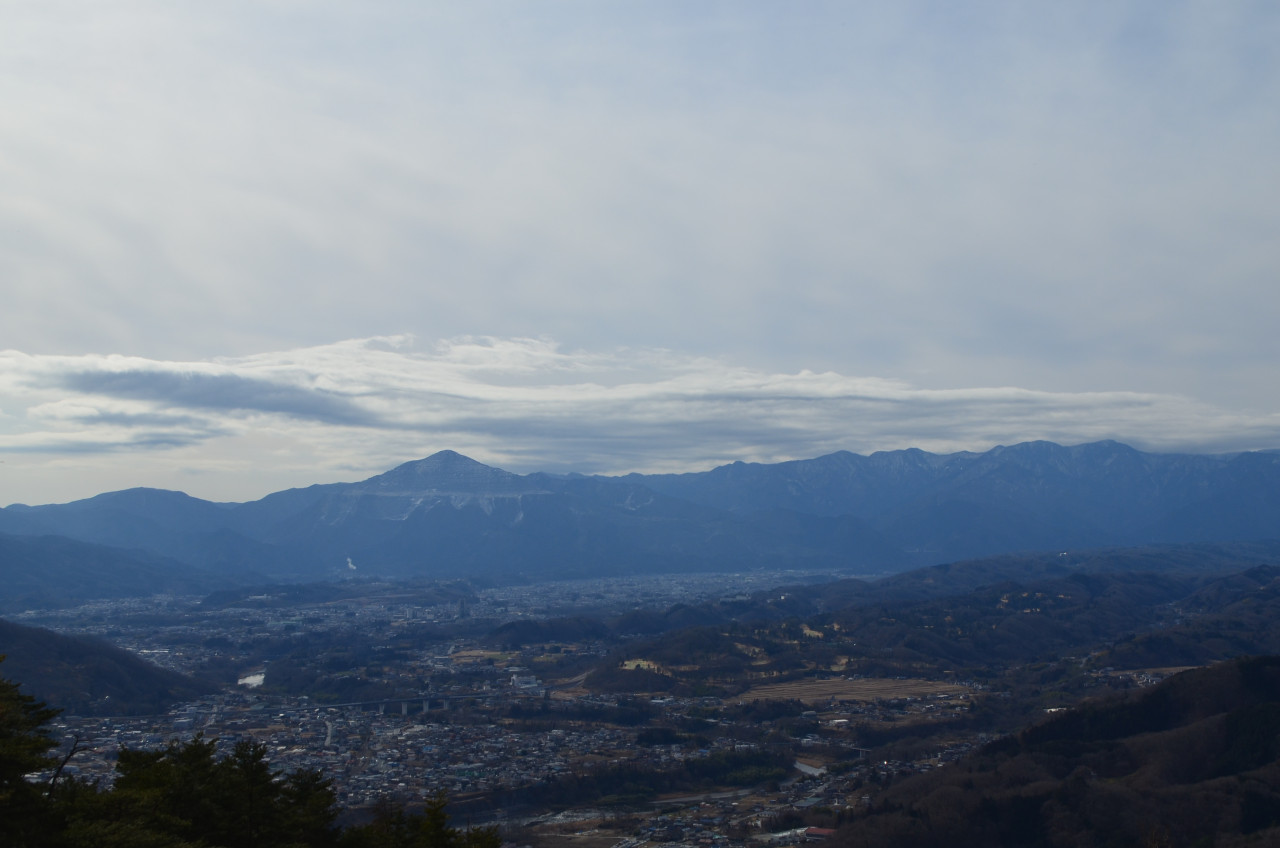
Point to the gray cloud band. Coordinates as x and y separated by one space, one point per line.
528 405
228 392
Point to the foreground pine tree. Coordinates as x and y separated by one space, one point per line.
24 749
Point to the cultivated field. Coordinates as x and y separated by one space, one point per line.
839 689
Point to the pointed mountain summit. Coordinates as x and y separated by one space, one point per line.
448 473
448 514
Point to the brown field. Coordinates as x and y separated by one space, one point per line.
476 656
811 691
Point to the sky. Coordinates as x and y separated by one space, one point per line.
246 246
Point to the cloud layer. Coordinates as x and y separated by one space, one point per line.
1075 197
238 428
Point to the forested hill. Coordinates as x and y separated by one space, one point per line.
89 677
1050 640
1193 761
1154 575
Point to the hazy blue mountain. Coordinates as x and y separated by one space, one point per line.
1093 478
1036 495
448 515
836 484
172 524
133 518
53 571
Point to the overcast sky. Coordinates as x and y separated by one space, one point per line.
252 245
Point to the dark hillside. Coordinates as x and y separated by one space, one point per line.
1193 761
88 677
1227 618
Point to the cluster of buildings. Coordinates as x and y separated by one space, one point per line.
471 727
406 750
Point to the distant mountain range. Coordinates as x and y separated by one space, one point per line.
450 516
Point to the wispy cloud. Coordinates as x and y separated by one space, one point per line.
228 392
1042 220
1076 195
360 406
